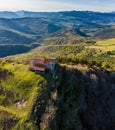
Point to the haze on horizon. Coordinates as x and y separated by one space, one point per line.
57 5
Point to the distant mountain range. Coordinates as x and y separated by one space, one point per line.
112 12
23 14
35 28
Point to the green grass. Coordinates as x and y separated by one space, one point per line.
104 45
109 42
23 85
90 53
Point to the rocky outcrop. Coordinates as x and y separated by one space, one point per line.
77 100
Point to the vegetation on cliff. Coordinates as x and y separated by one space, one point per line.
73 97
19 89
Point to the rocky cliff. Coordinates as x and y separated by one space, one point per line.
79 98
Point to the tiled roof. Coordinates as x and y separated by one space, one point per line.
43 61
39 64
37 68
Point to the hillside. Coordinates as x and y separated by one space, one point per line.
32 101
67 27
65 36
8 36
99 53
104 33
10 49
19 88
16 36
31 29
17 31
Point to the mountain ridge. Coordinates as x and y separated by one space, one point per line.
22 13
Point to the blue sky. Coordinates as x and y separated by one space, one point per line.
57 5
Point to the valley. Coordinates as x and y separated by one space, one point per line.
65 27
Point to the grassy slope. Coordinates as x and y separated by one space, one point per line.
10 36
65 36
21 85
106 47
105 33
102 52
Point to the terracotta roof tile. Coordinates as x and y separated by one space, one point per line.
40 64
38 67
43 61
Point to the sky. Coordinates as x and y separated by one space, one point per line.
57 5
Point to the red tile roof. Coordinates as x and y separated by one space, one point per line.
39 64
43 61
37 68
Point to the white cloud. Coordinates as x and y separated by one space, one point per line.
53 5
